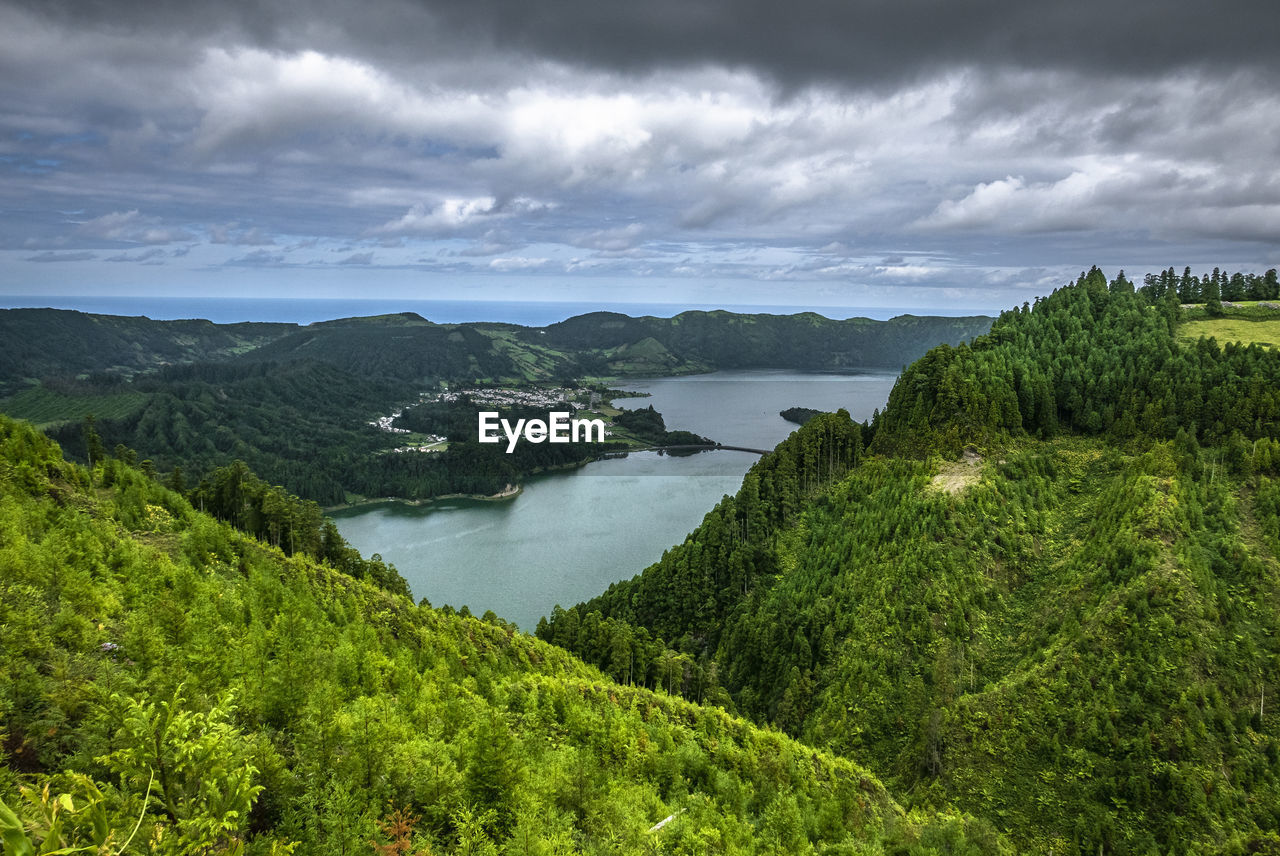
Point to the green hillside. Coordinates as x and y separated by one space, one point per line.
411 350
1040 589
42 343
1046 592
726 340
172 686
46 406
296 402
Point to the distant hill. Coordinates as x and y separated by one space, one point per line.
58 343
805 341
295 402
606 344
39 343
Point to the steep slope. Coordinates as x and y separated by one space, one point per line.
1070 630
171 686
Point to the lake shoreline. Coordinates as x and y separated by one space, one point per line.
576 532
505 495
515 490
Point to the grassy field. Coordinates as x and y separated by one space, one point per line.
44 407
1265 333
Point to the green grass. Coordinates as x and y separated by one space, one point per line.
535 362
1265 333
44 407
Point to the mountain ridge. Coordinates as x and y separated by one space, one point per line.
1074 643
296 402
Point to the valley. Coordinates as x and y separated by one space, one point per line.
1029 604
294 402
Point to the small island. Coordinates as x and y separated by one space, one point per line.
799 415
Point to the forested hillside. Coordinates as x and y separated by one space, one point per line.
59 343
1046 593
172 686
732 340
1094 359
295 403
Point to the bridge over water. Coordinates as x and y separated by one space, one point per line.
706 447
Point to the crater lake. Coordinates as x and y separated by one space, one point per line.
570 534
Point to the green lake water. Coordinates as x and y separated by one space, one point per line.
570 534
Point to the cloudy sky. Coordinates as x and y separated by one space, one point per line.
924 153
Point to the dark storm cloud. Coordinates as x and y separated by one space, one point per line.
794 43
861 42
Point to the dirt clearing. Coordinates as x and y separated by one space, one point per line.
955 476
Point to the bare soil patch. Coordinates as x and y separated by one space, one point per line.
955 476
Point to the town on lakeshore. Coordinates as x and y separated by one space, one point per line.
576 398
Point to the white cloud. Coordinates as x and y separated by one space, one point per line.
132 227
257 258
1168 198
448 216
617 239
518 263
151 256
255 96
454 215
906 271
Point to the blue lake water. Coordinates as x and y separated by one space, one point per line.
570 534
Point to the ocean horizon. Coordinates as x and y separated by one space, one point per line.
228 310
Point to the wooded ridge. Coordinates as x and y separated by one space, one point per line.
294 403
1041 586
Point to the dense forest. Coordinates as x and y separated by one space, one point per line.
1095 359
294 403
170 685
648 426
1041 586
